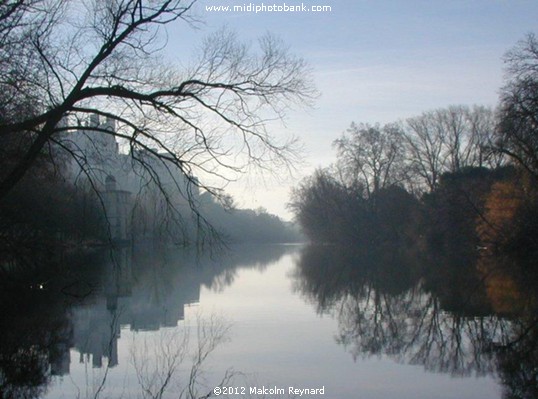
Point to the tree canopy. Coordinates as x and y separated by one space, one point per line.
61 61
518 125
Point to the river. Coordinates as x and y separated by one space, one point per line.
267 319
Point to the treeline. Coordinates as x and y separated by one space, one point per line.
237 225
46 211
451 176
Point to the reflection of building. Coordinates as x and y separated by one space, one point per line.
156 300
139 186
118 207
146 289
60 359
153 306
95 332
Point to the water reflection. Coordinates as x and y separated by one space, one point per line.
462 313
83 301
438 310
35 327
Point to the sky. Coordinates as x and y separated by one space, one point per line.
372 61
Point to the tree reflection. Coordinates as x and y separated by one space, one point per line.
389 303
35 321
517 362
327 274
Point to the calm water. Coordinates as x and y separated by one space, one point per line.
272 316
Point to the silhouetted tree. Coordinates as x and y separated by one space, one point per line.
448 139
518 127
455 206
371 156
328 211
63 63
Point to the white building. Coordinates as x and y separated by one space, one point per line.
144 195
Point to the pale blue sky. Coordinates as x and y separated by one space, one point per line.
374 61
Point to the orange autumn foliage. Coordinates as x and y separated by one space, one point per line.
501 208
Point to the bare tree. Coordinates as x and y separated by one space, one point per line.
518 126
105 60
371 156
449 139
481 122
425 142
324 206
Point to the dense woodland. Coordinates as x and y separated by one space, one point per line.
450 178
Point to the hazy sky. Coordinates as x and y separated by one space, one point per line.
374 61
